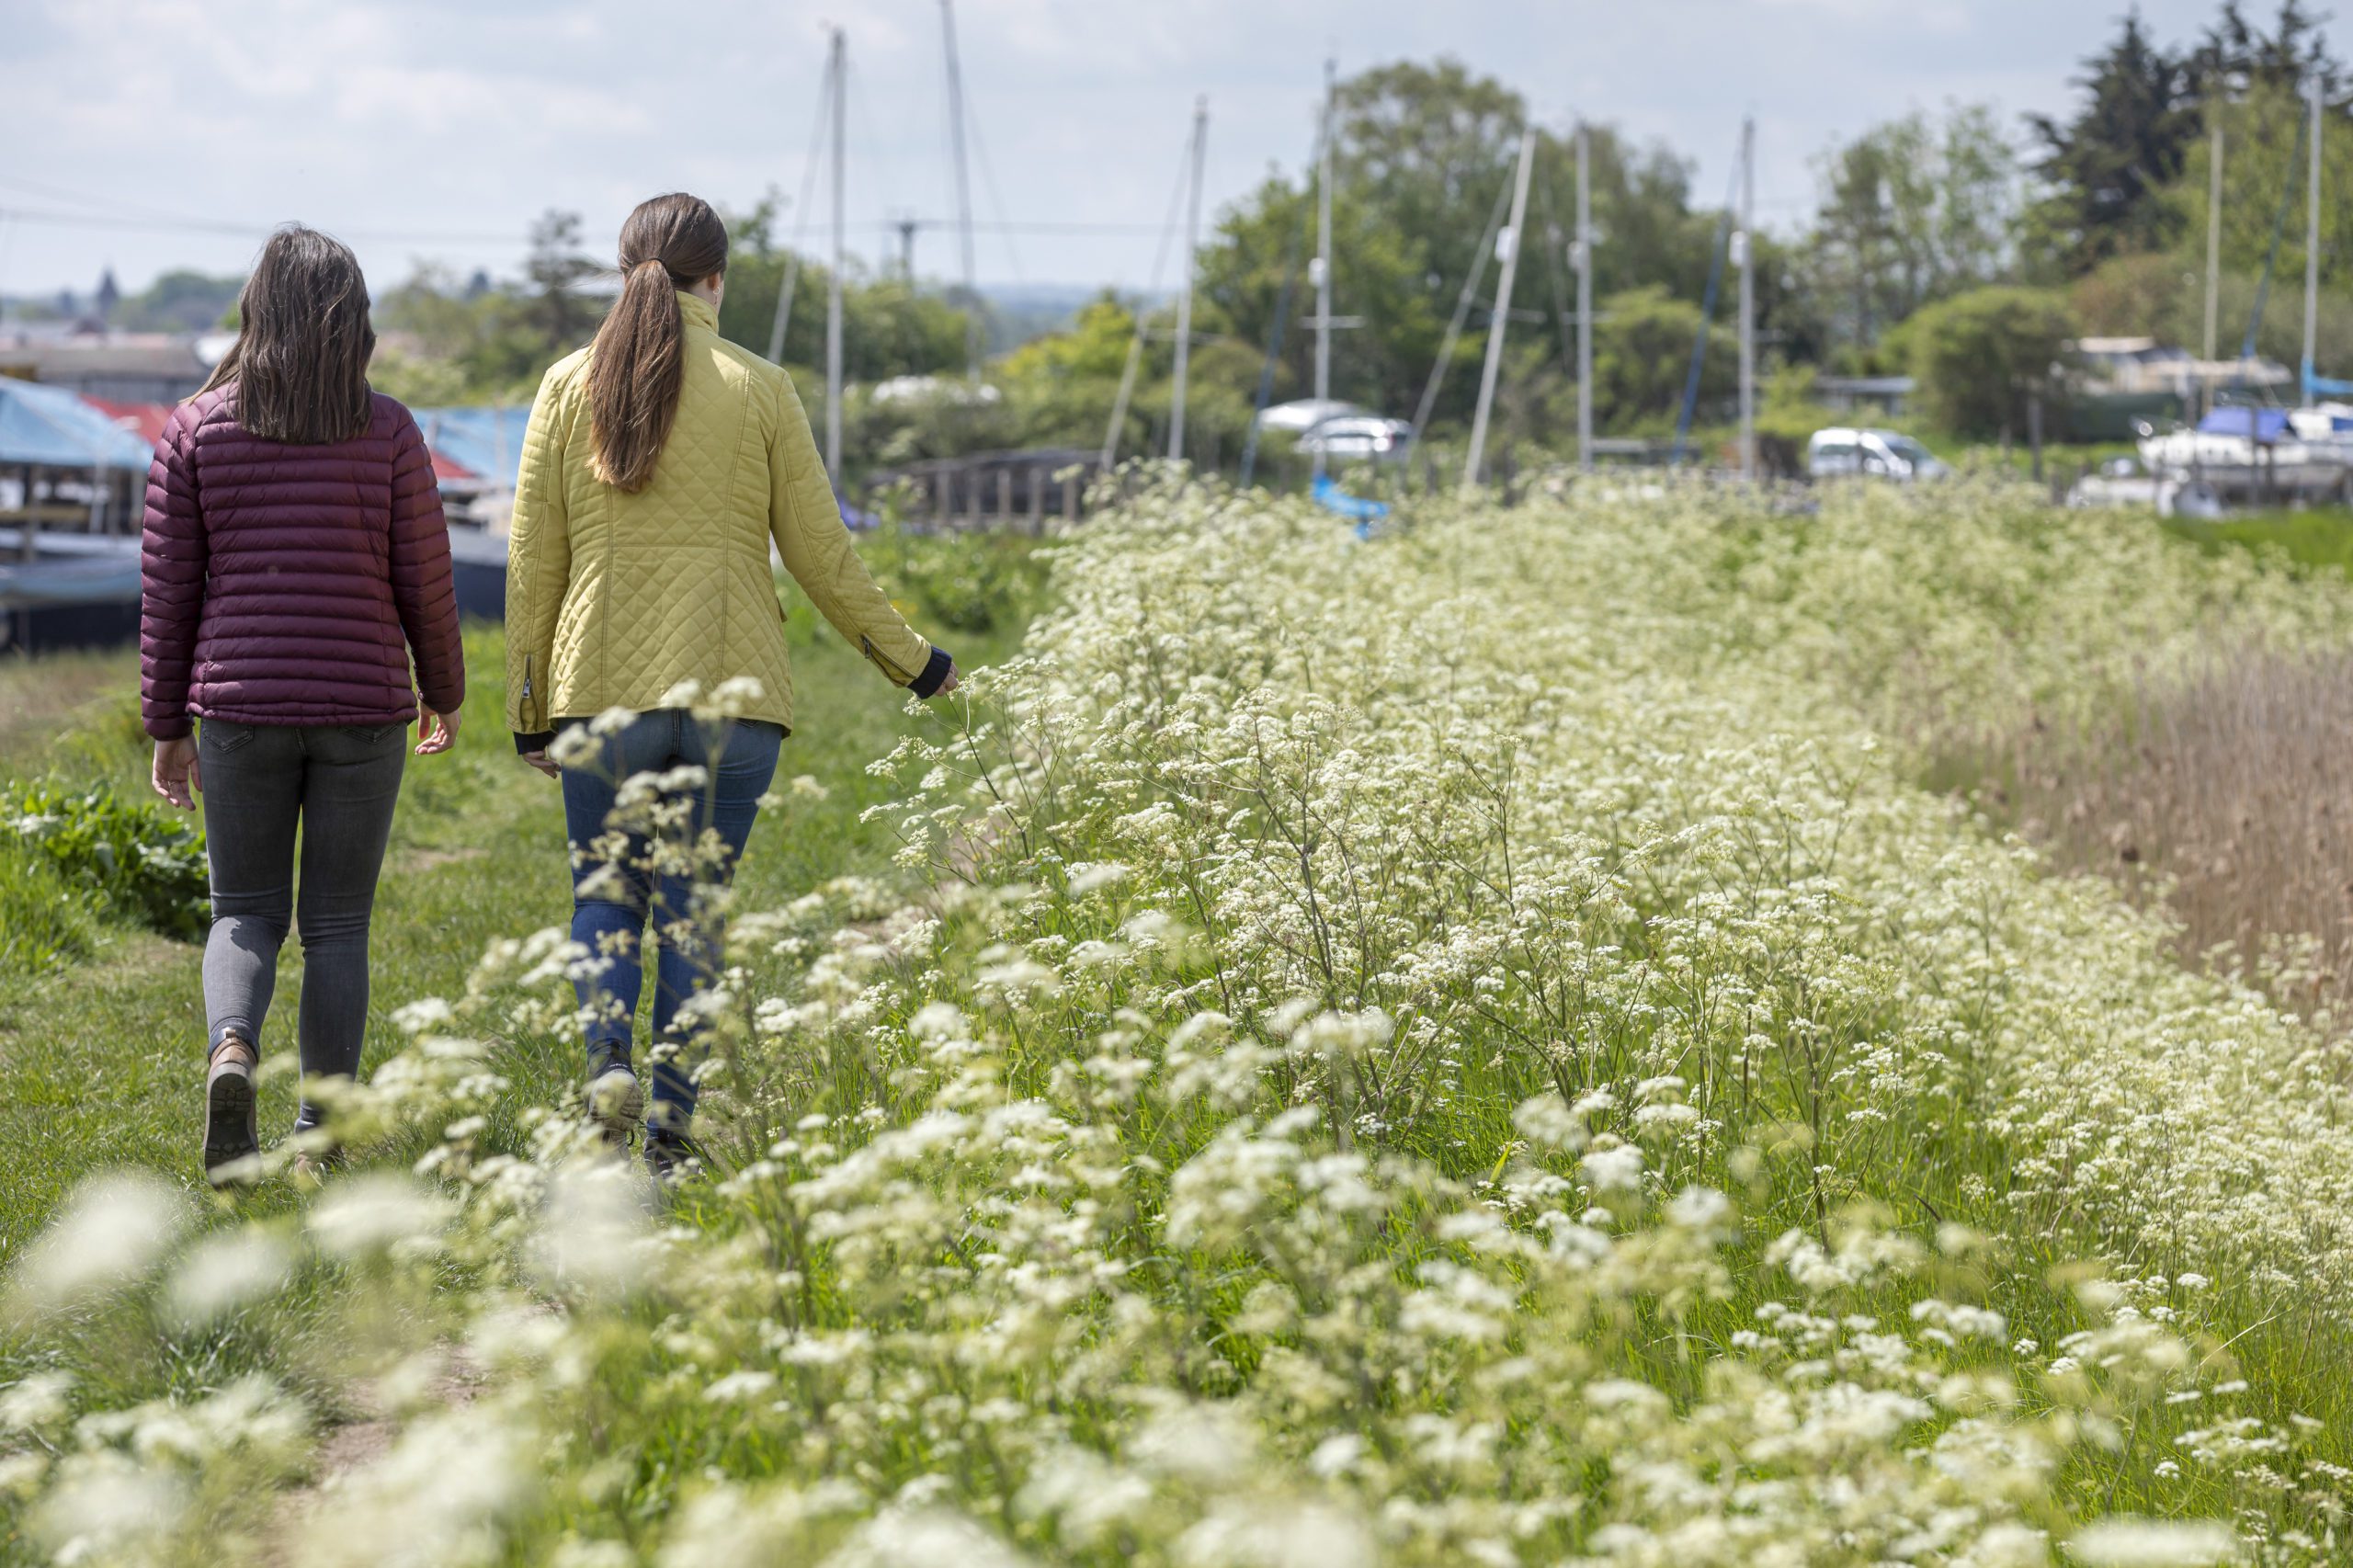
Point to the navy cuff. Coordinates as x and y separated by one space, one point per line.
540 742
934 672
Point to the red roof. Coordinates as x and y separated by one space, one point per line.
144 420
448 471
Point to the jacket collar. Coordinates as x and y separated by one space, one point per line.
697 309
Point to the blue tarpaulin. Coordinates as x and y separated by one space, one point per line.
487 440
1331 498
54 428
2264 426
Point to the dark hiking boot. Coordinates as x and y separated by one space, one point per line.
671 1156
232 1144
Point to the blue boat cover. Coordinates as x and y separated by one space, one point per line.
1331 498
51 426
487 440
2264 426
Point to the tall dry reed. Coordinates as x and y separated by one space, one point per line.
2226 794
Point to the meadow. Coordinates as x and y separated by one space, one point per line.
1494 1043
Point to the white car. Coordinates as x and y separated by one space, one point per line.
1879 454
1360 435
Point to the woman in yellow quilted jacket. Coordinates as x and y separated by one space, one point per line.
661 462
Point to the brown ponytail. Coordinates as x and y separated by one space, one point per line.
634 374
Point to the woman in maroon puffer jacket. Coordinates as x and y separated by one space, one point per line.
295 558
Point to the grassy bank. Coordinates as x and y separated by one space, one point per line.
104 1050
1444 1048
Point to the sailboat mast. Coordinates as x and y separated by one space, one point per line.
1584 298
1185 294
2312 245
1322 266
1510 254
963 194
1748 300
834 284
2213 240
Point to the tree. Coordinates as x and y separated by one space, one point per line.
2107 167
1422 154
1642 357
1979 355
180 301
556 269
1912 211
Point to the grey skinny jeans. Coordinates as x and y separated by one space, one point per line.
339 784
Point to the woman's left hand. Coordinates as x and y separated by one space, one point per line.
176 775
436 733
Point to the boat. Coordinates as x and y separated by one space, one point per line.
2245 454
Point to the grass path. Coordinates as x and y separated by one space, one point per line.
103 1058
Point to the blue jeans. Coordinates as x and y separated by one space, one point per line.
628 874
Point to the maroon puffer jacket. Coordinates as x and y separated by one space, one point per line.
287 584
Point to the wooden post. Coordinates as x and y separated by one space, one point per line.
2034 428
972 501
1037 502
943 498
1070 498
1003 497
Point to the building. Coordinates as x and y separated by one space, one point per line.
119 367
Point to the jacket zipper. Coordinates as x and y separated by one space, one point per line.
898 675
525 705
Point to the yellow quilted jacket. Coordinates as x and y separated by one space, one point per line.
612 599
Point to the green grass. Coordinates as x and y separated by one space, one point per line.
2315 538
104 1053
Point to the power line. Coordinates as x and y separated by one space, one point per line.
229 226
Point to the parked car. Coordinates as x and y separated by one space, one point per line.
1361 436
1878 454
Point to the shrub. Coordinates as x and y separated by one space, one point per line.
141 864
1978 356
961 582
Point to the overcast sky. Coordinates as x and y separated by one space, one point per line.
173 133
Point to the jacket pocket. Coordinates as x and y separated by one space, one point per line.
898 677
525 707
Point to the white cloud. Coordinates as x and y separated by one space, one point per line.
399 120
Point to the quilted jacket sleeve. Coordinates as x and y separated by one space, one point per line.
172 553
817 549
538 563
422 588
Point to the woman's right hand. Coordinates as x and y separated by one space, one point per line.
176 775
538 759
436 732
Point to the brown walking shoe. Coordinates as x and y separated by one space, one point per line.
232 1144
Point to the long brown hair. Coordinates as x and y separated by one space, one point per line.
670 243
303 341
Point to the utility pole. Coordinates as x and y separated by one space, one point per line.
1584 298
1508 245
1321 267
2213 237
2312 246
834 284
1748 300
907 224
963 194
1185 294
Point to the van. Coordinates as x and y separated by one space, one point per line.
1876 454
